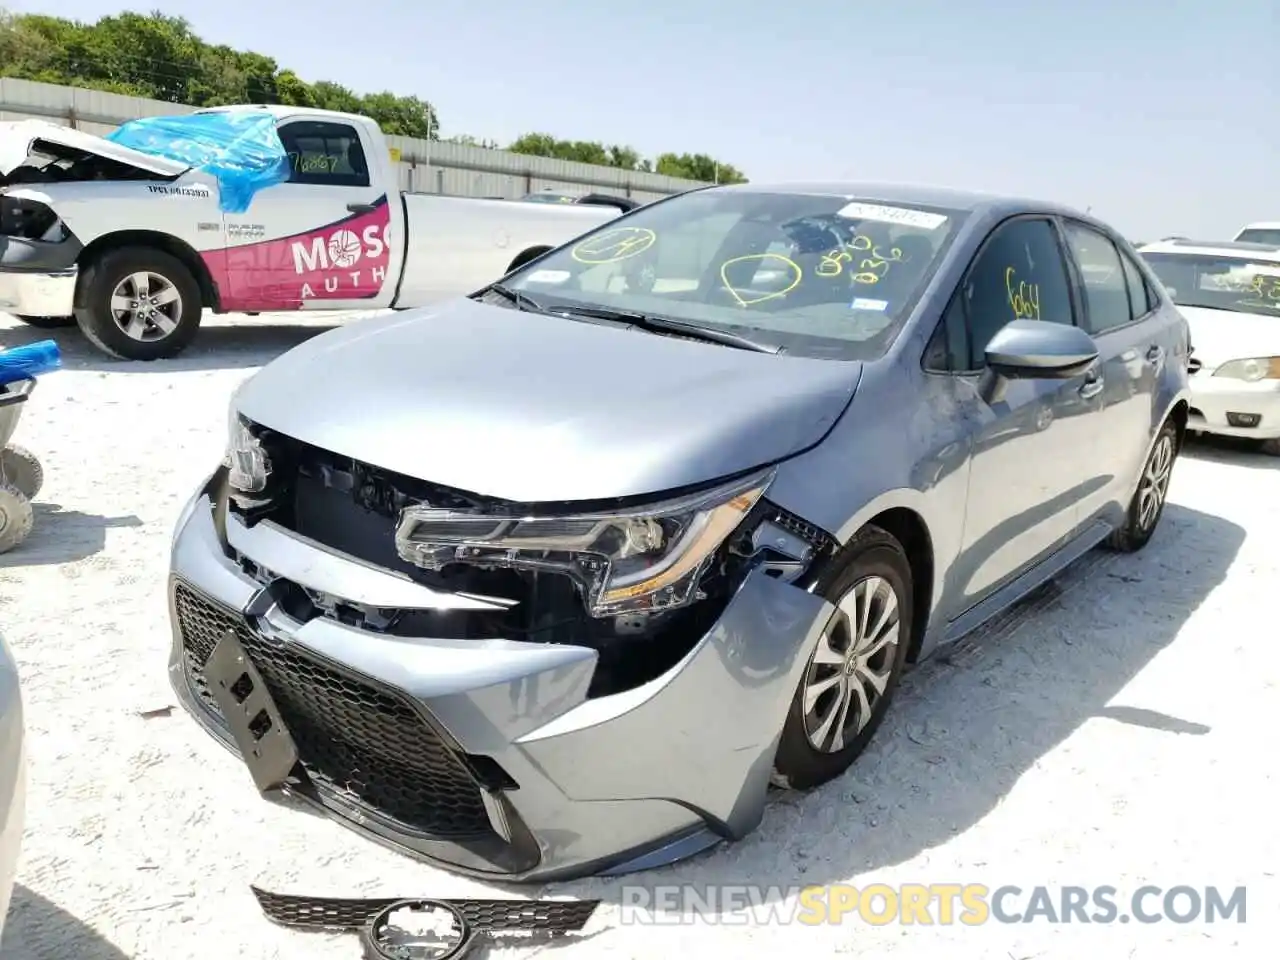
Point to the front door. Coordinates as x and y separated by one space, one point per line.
319 241
1028 474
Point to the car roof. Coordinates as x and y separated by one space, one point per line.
1269 252
927 195
1264 225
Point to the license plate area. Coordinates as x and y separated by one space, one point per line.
252 717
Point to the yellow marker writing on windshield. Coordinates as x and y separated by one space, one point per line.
787 263
611 246
1024 298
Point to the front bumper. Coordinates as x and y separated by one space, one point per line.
1218 402
38 294
486 756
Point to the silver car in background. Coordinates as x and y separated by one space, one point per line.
1230 294
13 771
560 578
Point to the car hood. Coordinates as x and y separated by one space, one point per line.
18 139
1222 335
534 408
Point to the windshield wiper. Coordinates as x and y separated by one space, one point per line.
521 301
645 321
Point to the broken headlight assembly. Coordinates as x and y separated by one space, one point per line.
633 560
246 460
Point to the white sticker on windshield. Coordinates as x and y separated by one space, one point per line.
900 215
549 276
863 303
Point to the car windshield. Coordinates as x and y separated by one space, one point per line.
1260 235
816 275
1221 282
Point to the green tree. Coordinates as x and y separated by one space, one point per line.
697 166
156 55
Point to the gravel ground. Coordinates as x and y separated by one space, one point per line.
1119 729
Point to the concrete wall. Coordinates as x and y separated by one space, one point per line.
425 166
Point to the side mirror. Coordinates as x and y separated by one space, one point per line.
1036 350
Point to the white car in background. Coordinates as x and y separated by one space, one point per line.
1230 294
12 776
1268 233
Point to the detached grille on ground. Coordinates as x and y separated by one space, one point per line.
358 743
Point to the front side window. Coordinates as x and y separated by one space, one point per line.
818 275
322 152
1217 282
1018 275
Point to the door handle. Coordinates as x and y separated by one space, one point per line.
361 207
1155 354
1092 386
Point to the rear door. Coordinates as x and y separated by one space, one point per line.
1030 467
1120 313
319 241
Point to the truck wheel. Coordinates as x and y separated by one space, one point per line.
16 517
139 303
20 468
46 323
525 256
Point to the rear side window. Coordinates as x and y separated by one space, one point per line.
1260 235
1141 298
323 152
1106 291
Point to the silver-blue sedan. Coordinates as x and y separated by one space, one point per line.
560 577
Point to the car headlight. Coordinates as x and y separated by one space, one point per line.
1252 370
246 461
645 559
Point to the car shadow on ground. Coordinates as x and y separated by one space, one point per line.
63 536
1229 450
969 722
216 347
37 929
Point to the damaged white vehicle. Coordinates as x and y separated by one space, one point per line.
134 244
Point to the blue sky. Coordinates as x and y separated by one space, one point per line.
1158 115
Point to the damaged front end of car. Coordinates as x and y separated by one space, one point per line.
508 689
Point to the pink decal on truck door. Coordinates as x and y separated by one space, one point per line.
343 260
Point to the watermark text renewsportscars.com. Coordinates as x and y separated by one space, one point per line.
929 904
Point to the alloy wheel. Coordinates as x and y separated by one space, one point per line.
146 306
1154 484
852 665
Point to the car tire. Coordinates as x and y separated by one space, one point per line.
1141 518
46 323
871 569
16 517
1270 448
20 468
163 332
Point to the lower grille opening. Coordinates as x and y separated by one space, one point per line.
361 744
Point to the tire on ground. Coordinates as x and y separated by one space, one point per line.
1133 534
871 553
524 257
46 323
20 468
16 517
104 275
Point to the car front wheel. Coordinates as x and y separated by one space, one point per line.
854 670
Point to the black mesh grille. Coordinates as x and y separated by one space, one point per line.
358 743
338 913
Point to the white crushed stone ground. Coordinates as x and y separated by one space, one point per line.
1124 734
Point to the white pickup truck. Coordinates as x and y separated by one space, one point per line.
133 246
